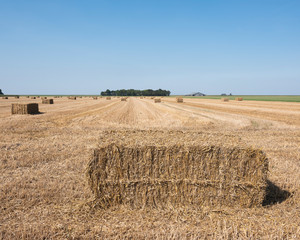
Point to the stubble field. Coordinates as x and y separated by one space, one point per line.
44 193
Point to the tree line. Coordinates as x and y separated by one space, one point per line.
133 92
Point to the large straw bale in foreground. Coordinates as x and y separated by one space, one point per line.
153 169
20 108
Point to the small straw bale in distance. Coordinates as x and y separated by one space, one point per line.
47 101
152 169
72 98
4 97
95 98
123 99
239 99
157 100
108 98
225 99
33 97
23 108
179 100
44 97
17 97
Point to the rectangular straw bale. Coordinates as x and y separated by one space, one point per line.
72 98
47 101
21 108
157 100
239 99
123 99
17 97
179 100
225 99
152 169
108 98
95 98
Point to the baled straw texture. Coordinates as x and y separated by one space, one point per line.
239 99
225 99
20 108
33 97
157 100
151 169
47 101
179 100
72 98
4 97
108 98
123 99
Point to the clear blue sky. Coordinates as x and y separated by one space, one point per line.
211 46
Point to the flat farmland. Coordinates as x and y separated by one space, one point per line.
44 193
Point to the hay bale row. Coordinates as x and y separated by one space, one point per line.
29 108
152 169
47 101
225 99
4 97
157 100
239 99
179 100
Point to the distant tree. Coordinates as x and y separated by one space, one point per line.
133 92
1 93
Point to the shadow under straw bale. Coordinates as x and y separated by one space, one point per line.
275 194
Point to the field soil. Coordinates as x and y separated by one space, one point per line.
44 192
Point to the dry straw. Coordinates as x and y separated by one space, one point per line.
4 97
108 98
153 169
123 99
157 100
239 99
95 98
47 101
72 98
33 97
29 108
179 100
225 99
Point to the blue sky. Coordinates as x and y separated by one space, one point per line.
212 46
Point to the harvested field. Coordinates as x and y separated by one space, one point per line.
44 192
